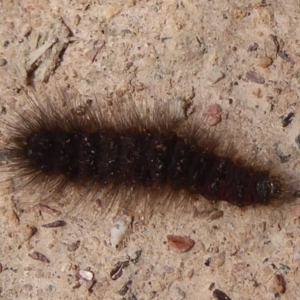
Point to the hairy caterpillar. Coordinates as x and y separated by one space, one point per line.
126 151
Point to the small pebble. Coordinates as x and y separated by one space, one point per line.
77 20
86 275
177 108
254 77
120 230
28 287
215 214
238 267
265 61
180 243
271 45
219 295
219 260
214 114
214 109
214 120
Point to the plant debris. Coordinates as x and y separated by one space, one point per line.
59 223
39 256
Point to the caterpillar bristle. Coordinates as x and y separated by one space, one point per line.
125 154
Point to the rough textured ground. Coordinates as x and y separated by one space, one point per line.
241 55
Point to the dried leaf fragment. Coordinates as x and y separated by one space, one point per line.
125 288
49 210
39 256
44 53
59 223
284 55
180 243
287 119
117 271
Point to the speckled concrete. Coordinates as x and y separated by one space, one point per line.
241 55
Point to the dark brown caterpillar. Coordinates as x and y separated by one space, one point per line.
87 149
